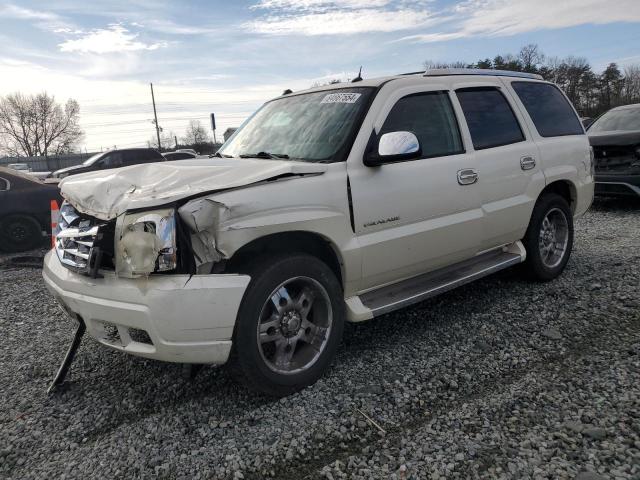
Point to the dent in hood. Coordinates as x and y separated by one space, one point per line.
106 194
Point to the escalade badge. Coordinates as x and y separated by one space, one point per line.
381 221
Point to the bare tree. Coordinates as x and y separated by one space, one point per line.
35 125
431 65
631 84
531 58
195 133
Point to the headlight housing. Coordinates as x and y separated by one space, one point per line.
146 243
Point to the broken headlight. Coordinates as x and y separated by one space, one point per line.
146 243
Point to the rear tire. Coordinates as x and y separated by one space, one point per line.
549 238
19 233
289 325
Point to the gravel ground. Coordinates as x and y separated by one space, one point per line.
499 379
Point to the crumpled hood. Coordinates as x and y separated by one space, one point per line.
106 194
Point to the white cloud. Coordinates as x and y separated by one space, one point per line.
510 17
340 22
318 4
41 18
115 38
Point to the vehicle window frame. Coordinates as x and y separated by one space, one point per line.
447 95
511 108
6 183
564 98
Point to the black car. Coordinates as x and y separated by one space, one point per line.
615 138
25 210
112 159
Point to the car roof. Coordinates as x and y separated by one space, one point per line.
428 74
17 173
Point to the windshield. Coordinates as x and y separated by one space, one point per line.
91 160
312 126
625 119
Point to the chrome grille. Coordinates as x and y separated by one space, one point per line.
75 237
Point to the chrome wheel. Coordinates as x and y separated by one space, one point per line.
294 326
553 238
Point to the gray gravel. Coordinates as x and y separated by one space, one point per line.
499 379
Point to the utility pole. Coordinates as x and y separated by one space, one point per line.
155 116
175 137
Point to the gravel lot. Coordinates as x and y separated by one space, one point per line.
499 379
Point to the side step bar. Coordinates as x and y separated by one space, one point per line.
417 289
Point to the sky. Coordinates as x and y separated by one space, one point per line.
229 57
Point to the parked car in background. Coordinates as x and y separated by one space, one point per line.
586 121
615 138
180 155
112 159
22 167
25 215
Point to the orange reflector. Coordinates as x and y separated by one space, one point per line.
54 221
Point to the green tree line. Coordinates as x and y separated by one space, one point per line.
592 93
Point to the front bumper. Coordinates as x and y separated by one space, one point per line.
188 319
618 185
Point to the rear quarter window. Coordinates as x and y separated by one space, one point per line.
548 108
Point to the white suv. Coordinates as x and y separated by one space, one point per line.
335 204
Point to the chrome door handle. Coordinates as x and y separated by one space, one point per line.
527 163
467 176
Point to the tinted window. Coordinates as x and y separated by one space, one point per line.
490 119
431 118
178 156
112 160
548 108
153 156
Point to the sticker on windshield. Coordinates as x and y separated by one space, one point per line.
341 98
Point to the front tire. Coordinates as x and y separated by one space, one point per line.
19 233
289 325
549 238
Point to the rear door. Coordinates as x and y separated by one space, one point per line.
509 174
414 216
559 134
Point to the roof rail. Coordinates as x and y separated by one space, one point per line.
439 72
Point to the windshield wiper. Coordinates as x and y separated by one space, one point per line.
265 155
221 155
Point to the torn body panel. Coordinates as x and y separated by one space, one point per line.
107 194
223 223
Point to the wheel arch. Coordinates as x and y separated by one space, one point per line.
298 241
566 189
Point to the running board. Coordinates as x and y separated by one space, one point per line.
417 289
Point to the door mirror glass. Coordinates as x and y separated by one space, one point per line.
393 144
395 147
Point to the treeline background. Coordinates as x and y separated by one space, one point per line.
592 93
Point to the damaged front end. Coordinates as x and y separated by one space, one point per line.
168 240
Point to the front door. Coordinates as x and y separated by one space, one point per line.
415 216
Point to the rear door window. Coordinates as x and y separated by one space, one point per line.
112 160
431 118
489 116
548 108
